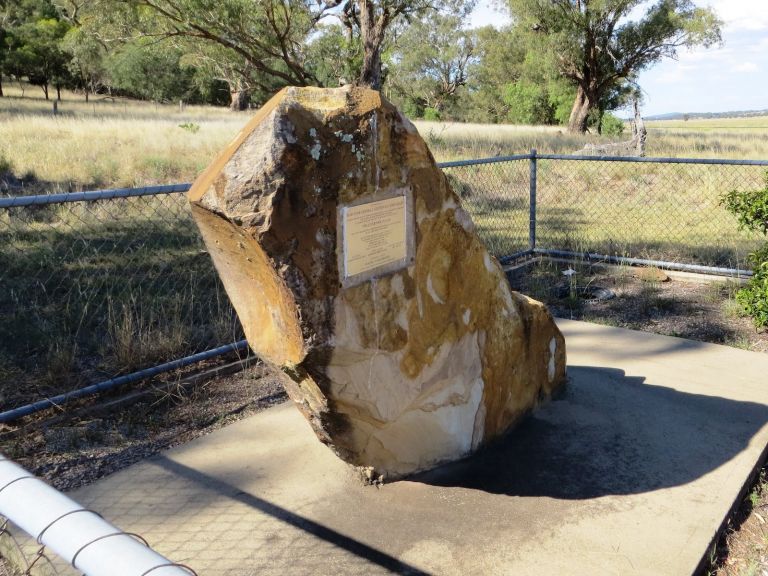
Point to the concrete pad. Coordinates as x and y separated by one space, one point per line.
631 471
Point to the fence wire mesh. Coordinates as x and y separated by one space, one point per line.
90 290
27 556
650 210
97 288
497 195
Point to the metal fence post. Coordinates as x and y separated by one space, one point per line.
532 207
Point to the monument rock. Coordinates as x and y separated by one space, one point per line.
356 272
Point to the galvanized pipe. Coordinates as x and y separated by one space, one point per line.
713 270
504 260
28 409
81 537
657 160
645 159
43 199
493 160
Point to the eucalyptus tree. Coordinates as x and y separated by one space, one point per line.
31 33
251 44
432 59
598 47
373 21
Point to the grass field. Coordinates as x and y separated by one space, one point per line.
108 143
118 142
88 291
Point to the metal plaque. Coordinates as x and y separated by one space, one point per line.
375 235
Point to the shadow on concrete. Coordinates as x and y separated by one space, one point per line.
350 545
609 434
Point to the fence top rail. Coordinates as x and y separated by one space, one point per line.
41 199
653 160
90 196
492 160
647 159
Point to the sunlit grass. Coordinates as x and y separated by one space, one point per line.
452 141
106 143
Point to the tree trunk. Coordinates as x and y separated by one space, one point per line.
639 133
580 112
1 86
370 73
45 90
86 94
372 35
239 99
58 92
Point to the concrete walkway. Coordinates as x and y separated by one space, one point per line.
631 471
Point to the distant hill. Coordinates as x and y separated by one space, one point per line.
707 115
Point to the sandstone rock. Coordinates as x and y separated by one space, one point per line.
355 271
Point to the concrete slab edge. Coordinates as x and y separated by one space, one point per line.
734 508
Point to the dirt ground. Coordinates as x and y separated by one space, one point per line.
97 441
101 436
646 299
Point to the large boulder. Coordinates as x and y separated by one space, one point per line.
356 272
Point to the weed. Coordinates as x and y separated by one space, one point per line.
733 309
714 292
160 169
61 363
190 127
739 342
650 302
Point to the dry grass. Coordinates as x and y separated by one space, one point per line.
737 138
715 138
120 142
452 141
110 143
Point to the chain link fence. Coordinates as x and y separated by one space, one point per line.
93 285
665 210
102 286
496 192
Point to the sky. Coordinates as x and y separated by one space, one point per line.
724 78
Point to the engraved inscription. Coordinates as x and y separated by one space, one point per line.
375 235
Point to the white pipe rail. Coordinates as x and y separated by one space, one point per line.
81 537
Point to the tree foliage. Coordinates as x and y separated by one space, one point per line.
150 72
598 49
560 61
431 62
31 34
751 209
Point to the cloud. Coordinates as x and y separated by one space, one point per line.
747 67
741 14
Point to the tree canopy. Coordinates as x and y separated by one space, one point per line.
596 47
559 61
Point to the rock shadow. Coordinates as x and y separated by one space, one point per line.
608 434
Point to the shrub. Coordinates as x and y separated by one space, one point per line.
612 126
754 297
751 209
431 114
528 103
